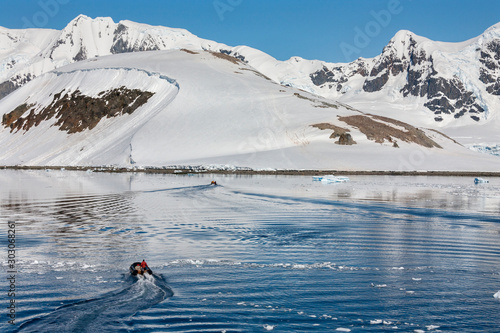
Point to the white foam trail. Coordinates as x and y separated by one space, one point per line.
108 312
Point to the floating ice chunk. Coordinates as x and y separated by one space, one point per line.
497 295
376 321
431 327
399 268
419 331
416 279
342 329
269 327
333 179
410 292
480 181
59 277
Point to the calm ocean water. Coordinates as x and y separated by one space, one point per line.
252 254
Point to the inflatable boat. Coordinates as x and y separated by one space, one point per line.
137 269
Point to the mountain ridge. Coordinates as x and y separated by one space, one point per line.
410 69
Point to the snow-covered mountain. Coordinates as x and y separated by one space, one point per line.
25 54
450 83
88 95
186 107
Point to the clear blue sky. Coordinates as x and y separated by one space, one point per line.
330 30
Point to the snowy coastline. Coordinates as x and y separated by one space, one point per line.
210 169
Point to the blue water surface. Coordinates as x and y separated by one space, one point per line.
252 254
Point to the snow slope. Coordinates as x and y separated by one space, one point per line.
108 143
209 109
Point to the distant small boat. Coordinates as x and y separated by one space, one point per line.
480 181
331 179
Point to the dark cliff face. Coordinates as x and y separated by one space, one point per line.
490 67
388 64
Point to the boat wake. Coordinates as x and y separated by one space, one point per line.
111 312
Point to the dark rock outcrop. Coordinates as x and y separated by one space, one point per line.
335 77
490 67
76 112
6 88
338 132
345 139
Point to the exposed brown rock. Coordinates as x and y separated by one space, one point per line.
338 132
76 112
226 57
376 128
189 51
9 118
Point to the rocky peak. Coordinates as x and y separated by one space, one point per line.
416 67
81 39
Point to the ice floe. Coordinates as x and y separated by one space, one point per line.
431 327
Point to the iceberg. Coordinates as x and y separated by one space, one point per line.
480 181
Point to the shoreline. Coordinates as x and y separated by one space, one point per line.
248 171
